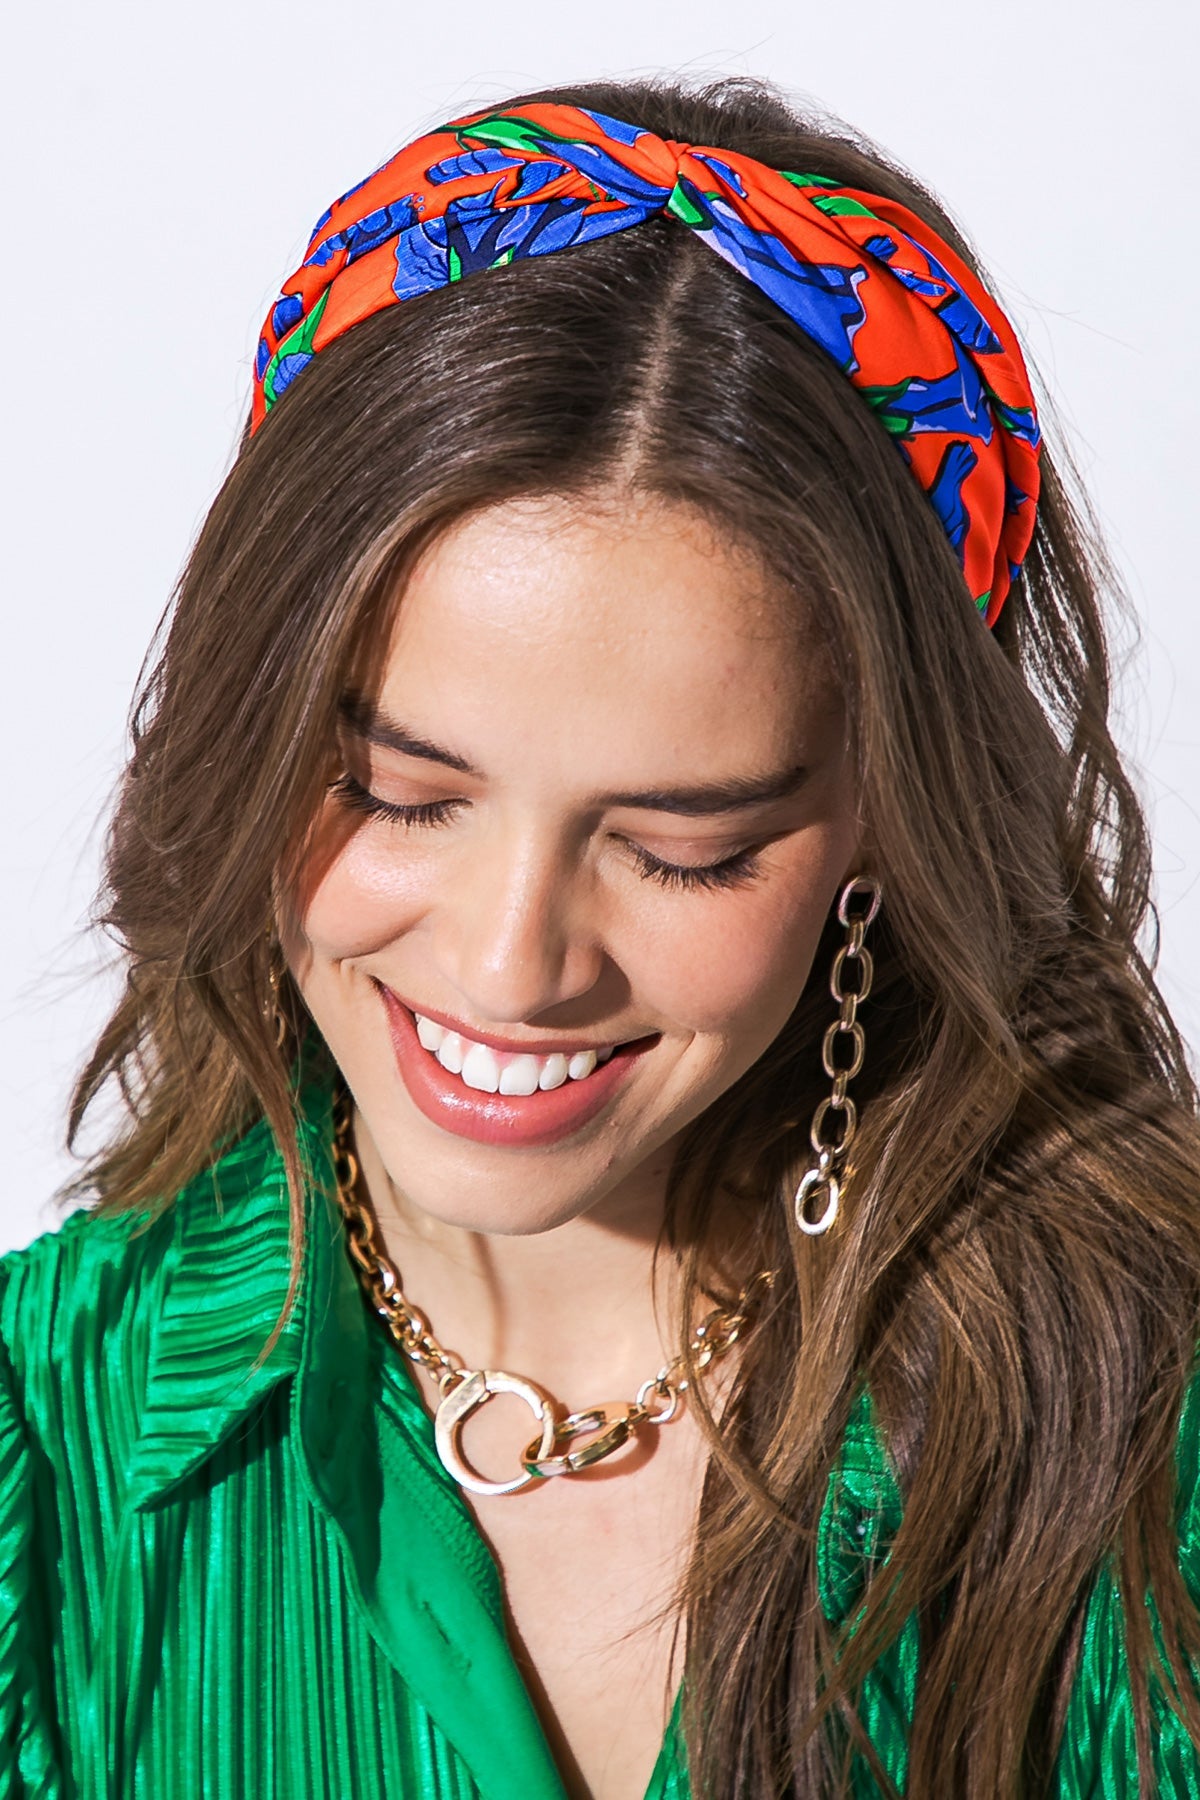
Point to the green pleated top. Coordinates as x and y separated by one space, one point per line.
244 1582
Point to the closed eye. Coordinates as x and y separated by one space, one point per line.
359 799
731 871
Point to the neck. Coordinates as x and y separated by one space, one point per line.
584 1307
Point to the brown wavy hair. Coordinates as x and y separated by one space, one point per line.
1016 1274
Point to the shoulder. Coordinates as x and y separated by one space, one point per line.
81 1307
1187 1467
73 1305
1098 1753
73 1288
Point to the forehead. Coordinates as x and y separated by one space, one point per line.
626 610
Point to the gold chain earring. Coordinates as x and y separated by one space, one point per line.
273 1006
825 1177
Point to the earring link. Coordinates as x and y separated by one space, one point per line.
825 1177
273 1005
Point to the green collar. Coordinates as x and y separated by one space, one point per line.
227 1284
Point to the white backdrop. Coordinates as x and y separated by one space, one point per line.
164 166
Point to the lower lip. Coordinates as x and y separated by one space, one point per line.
541 1118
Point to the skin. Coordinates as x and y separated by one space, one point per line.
568 650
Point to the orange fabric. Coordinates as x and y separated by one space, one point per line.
909 324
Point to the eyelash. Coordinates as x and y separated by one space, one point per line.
733 871
359 799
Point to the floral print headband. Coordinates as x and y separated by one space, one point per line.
899 312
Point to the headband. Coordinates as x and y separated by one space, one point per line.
902 316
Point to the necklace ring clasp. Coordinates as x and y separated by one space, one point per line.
475 1390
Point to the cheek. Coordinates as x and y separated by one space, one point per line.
358 894
734 965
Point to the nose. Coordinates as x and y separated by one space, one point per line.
517 932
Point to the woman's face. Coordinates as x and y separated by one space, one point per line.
597 796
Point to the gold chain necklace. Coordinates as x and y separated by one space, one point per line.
565 1445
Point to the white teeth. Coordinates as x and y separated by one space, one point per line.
520 1076
480 1069
492 1072
554 1073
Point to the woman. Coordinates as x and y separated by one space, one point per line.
653 1247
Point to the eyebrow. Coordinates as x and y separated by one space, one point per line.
733 794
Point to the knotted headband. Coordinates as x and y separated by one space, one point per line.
880 292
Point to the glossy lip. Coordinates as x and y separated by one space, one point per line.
504 1119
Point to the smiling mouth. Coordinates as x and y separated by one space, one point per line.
490 1065
499 1094
491 1071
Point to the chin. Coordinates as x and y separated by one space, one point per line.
482 1206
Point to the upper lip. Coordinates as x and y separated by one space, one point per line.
516 1047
